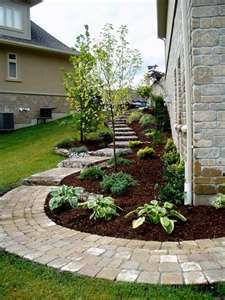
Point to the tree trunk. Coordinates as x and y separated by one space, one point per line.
114 140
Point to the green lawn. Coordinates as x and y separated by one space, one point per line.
30 150
20 279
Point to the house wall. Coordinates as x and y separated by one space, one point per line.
208 76
206 42
39 84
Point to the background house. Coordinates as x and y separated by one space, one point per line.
194 33
32 63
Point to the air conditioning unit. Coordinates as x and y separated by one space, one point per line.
6 121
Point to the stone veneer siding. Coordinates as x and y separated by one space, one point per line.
206 31
12 103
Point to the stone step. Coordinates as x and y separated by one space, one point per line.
81 162
120 144
50 177
127 133
126 137
108 152
123 129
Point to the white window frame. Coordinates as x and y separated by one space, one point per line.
13 10
11 60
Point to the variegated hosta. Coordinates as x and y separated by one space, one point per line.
156 213
65 194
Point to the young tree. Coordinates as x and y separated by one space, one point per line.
117 66
81 85
144 91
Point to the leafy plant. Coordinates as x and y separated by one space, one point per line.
134 116
93 173
170 146
102 207
134 144
155 135
78 150
117 183
160 113
120 161
65 143
171 158
156 213
65 194
146 153
219 202
147 120
144 91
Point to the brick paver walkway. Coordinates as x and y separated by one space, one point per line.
25 230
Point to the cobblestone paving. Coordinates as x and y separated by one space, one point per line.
25 230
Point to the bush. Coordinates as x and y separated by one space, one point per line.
171 158
134 144
170 146
161 113
65 195
117 183
146 153
120 161
102 207
93 173
147 120
219 202
65 143
156 136
134 116
78 150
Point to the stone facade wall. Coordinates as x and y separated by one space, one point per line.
12 103
208 77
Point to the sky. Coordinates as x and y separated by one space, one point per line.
65 19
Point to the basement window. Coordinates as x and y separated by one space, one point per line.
12 66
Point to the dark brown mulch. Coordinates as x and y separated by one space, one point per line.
203 222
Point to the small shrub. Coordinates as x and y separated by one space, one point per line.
171 158
134 116
134 144
78 150
65 143
93 173
102 207
156 213
219 202
146 153
155 135
147 120
105 135
117 183
120 161
65 194
170 146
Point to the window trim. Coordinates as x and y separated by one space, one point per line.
10 60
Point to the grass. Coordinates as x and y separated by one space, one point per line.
30 150
20 279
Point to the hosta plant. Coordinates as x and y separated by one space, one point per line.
219 202
65 195
156 213
93 173
102 207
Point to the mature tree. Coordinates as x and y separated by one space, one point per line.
117 67
144 91
82 85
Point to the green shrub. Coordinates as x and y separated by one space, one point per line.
65 143
117 183
65 194
161 113
170 146
105 135
78 150
93 173
102 207
156 213
120 161
155 135
146 153
171 158
147 120
134 144
134 116
219 202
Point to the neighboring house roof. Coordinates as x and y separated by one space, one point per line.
162 7
40 39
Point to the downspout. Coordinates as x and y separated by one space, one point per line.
188 87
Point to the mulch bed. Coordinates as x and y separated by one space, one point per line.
203 222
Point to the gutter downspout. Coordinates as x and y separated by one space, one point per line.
188 167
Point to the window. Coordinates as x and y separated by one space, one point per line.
12 66
11 18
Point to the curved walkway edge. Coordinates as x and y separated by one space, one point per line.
25 230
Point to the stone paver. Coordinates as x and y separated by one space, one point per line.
81 162
108 152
